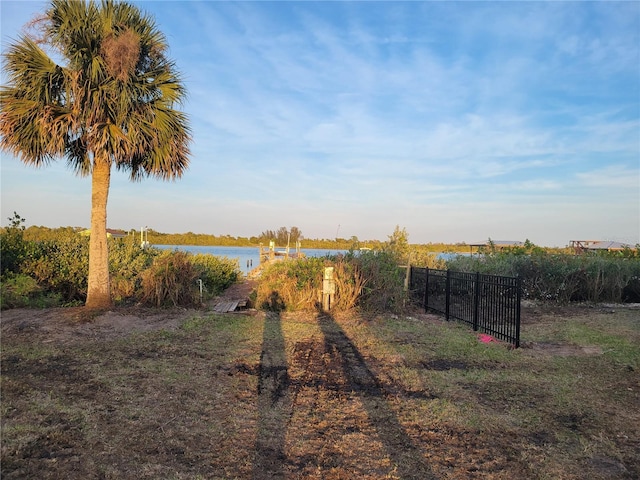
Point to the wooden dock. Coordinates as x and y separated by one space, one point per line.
271 253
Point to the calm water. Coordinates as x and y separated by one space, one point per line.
248 257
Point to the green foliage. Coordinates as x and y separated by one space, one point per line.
18 290
216 273
61 266
423 258
560 277
398 245
383 288
282 236
13 247
127 261
190 238
56 260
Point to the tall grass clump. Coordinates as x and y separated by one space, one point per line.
291 285
370 281
296 285
562 278
170 281
383 281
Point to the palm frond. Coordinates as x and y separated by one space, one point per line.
114 96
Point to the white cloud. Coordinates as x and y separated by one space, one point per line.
612 176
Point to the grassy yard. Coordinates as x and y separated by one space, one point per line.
316 397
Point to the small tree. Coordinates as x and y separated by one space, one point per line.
398 244
12 244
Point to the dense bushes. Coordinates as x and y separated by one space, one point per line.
54 268
217 273
18 290
370 280
563 278
50 267
60 266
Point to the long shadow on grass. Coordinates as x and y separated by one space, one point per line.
274 400
406 457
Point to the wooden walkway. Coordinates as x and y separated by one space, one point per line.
225 307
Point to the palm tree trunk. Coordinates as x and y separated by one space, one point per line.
99 289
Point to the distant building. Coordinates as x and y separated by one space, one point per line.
110 233
581 246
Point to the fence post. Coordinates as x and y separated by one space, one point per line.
407 278
476 301
447 295
426 290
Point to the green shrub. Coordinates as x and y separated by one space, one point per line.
18 290
560 277
424 259
217 274
13 247
61 266
127 261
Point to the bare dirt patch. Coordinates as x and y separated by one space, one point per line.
184 394
67 325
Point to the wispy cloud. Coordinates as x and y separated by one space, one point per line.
612 177
440 116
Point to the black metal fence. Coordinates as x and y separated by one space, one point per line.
489 303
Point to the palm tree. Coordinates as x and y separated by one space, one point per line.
110 103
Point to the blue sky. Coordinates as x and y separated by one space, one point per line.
457 121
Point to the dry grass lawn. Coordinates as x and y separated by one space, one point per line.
191 395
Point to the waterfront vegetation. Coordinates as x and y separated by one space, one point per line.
45 267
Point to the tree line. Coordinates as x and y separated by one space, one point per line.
281 236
